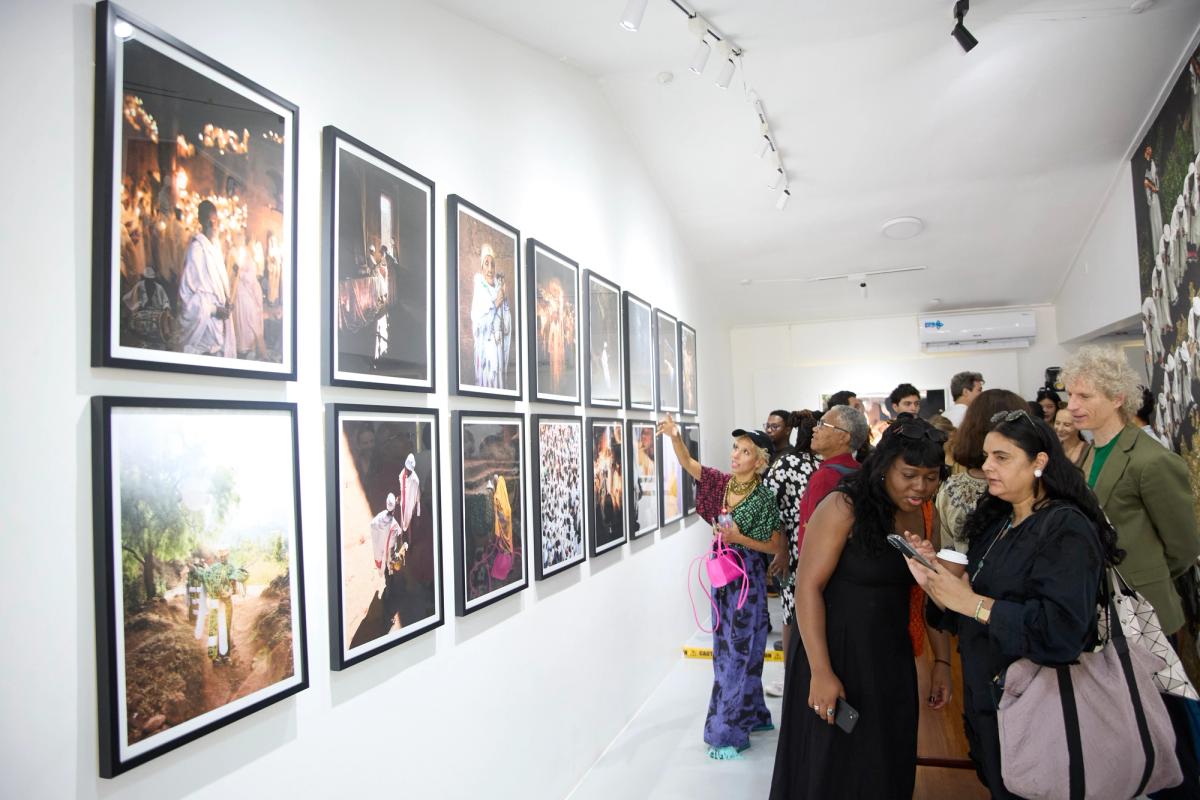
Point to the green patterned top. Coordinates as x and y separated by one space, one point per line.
757 516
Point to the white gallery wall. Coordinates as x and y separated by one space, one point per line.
792 366
516 700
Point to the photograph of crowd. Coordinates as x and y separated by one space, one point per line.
489 524
485 294
385 575
380 216
643 479
640 370
558 493
606 473
195 204
1166 187
691 436
199 564
667 332
602 312
670 483
689 381
554 325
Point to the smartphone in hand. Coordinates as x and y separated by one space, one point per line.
845 717
901 544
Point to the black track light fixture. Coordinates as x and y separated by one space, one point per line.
961 35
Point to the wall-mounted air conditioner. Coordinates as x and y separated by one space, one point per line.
988 330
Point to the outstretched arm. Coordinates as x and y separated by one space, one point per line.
669 428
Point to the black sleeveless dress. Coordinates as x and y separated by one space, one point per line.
866 627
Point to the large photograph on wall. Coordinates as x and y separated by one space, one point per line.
689 382
557 493
385 571
553 325
670 483
200 610
606 480
483 267
643 478
666 332
378 223
194 210
639 365
489 508
603 349
1166 188
691 437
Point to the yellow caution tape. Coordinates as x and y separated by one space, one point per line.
707 653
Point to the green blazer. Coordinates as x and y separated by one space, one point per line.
1144 489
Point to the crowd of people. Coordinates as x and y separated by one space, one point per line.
1019 506
561 489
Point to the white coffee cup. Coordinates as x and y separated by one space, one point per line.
953 560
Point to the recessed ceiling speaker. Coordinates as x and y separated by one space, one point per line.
902 227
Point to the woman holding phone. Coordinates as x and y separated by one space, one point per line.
852 609
1016 599
744 514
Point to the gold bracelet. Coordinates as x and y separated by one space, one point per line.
978 608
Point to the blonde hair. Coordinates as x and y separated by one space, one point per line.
1107 370
764 459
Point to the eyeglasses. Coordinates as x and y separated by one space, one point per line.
916 428
823 424
773 426
1011 416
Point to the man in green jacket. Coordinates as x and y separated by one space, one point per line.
1144 489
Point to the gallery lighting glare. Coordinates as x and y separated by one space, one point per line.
631 18
122 29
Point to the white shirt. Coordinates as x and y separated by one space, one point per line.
955 413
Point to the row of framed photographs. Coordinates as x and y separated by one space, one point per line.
194 254
198 558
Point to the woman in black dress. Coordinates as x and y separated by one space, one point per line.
1038 544
852 608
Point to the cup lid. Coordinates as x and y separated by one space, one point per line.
952 555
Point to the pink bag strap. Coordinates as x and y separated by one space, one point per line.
725 550
698 563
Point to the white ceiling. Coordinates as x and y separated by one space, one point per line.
1006 152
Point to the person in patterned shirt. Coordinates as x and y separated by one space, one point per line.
743 513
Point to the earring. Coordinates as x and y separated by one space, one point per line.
1037 473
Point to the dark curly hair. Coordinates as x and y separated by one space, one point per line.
874 511
1061 482
804 423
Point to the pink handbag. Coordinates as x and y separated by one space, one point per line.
724 565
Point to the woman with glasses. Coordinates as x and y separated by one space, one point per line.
967 483
852 609
1016 599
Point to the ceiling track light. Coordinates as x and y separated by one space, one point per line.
631 18
784 196
700 58
960 33
777 180
725 76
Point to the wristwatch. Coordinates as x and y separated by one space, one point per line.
982 614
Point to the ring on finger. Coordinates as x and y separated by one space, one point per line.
829 712
817 707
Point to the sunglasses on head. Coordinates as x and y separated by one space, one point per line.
916 428
1011 416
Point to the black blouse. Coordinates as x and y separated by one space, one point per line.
1044 575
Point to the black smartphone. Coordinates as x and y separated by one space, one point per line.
845 717
901 544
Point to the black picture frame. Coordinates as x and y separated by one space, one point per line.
174 482
639 354
689 380
666 337
403 593
467 228
365 344
691 436
597 332
472 569
642 492
541 537
149 310
607 518
542 387
670 496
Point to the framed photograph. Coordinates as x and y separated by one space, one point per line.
689 383
553 325
385 540
643 478
606 479
489 508
691 435
194 210
557 494
602 336
378 223
639 365
670 483
199 581
483 266
666 330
